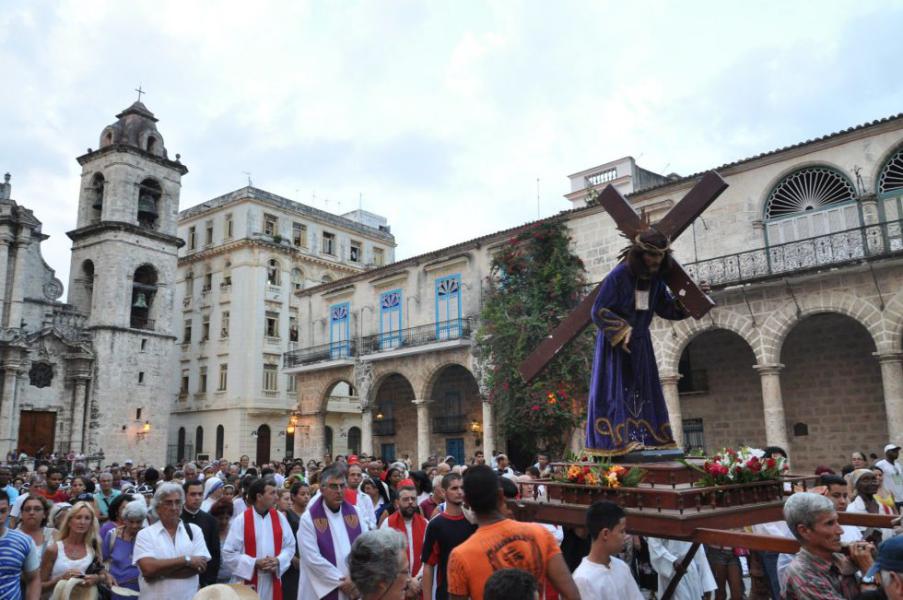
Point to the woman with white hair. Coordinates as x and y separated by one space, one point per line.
378 565
119 545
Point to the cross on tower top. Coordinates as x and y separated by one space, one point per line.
140 91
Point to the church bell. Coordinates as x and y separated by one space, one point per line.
140 301
147 208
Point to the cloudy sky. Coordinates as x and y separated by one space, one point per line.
442 115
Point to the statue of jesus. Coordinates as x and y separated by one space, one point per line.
627 410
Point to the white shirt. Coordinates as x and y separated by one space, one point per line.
319 576
242 566
599 582
365 508
893 477
698 579
155 542
16 510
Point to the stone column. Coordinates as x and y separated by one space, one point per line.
4 262
773 406
488 431
892 382
18 287
77 431
367 432
423 430
311 436
8 408
672 400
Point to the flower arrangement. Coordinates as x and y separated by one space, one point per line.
744 465
605 475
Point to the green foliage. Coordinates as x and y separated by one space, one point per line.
535 282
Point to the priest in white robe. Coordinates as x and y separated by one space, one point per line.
325 533
261 559
696 582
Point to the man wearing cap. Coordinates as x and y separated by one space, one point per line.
893 472
889 568
819 570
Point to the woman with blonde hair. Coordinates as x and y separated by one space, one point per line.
76 548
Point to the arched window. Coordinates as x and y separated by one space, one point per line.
96 195
328 440
180 445
149 194
273 272
144 288
297 279
354 440
220 440
810 202
199 440
890 180
151 144
84 288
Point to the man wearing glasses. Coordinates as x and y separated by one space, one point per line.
169 555
325 534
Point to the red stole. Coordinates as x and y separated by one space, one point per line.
351 496
418 531
251 547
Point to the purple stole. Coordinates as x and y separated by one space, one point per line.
324 537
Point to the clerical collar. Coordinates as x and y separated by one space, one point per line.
262 514
336 511
191 512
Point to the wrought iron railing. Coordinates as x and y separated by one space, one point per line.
450 424
832 249
405 338
384 427
142 323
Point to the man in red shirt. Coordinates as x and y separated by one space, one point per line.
53 491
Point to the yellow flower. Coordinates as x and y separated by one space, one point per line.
613 480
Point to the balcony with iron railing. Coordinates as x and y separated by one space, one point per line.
384 427
850 246
450 424
422 335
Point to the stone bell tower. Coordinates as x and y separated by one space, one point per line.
122 275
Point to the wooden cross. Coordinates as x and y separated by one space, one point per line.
678 280
140 91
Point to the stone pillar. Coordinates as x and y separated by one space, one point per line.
672 400
773 406
18 287
8 408
892 382
4 262
77 426
310 435
423 430
488 431
367 432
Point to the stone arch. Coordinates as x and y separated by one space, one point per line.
892 320
144 290
673 346
455 410
96 194
150 192
770 185
781 321
394 413
429 381
327 390
879 165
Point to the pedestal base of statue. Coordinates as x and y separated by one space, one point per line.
667 503
650 455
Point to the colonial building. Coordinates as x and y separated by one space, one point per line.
95 374
803 350
245 256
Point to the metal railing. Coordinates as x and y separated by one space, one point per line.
137 322
832 249
384 427
450 424
404 338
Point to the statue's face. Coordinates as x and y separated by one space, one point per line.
653 262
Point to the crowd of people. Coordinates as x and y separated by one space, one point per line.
360 527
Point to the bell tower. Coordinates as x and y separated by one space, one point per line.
122 273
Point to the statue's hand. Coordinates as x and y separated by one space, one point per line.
626 342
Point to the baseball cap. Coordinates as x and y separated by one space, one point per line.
891 446
890 557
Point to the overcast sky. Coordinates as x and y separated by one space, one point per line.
443 115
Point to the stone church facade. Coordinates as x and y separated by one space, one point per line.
95 375
804 252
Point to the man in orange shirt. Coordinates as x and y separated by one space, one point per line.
501 543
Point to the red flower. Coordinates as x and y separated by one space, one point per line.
534 407
770 463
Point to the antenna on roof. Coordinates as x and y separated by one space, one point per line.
537 197
248 173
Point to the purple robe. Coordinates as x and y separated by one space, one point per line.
627 409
